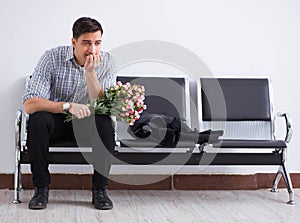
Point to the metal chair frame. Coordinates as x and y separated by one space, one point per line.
191 154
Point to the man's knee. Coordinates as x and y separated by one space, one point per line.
106 130
104 122
40 120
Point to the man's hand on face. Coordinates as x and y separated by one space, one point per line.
92 61
79 110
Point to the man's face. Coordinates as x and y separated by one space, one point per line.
86 44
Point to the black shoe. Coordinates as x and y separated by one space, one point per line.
101 200
40 198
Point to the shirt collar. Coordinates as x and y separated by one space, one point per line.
70 53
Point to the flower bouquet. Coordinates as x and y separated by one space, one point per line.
124 101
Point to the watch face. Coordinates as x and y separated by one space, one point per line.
66 106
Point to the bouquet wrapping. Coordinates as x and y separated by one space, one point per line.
124 101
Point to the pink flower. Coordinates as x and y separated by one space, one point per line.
130 103
126 101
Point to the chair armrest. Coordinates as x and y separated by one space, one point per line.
288 123
18 122
21 124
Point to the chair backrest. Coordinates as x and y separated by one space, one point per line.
242 107
162 95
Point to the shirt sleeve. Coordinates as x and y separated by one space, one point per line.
39 84
110 72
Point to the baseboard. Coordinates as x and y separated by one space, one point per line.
159 182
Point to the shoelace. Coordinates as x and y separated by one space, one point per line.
99 193
42 191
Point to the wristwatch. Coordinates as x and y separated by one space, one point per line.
66 106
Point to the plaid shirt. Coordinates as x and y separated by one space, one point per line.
57 77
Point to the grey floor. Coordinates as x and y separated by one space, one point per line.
156 206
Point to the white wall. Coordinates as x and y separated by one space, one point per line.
255 38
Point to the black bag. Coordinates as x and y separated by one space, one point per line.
168 130
161 128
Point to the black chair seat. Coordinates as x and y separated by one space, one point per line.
67 143
250 144
151 144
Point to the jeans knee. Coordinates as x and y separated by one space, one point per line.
106 131
104 122
40 121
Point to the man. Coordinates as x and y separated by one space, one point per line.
64 80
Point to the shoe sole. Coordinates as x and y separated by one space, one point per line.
37 207
104 208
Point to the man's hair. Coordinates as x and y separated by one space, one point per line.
85 25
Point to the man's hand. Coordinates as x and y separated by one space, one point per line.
92 61
94 88
79 110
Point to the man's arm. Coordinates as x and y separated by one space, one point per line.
33 105
93 85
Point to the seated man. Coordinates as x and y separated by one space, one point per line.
64 80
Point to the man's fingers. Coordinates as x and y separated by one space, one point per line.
88 112
92 61
79 114
84 112
96 59
80 111
87 61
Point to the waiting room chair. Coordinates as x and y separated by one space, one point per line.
244 109
162 95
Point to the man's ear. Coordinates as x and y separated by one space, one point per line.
73 42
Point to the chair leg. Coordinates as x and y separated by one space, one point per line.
283 172
276 180
20 179
17 178
288 182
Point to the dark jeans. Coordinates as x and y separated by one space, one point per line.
96 131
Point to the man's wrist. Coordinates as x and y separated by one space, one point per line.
90 72
66 106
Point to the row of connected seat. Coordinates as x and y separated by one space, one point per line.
241 107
